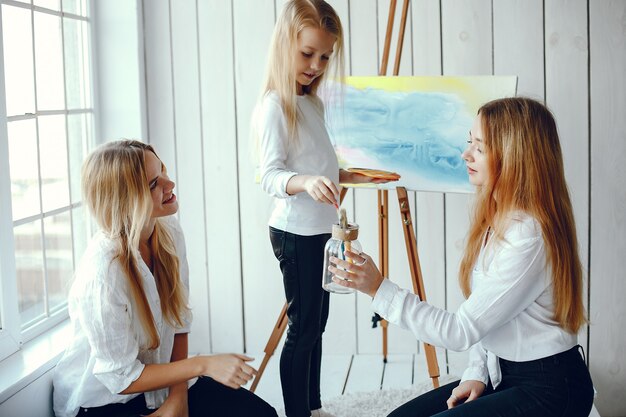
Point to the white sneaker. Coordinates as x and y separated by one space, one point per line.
321 413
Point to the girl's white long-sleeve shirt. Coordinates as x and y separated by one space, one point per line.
509 313
281 158
105 353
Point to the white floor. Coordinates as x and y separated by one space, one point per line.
343 374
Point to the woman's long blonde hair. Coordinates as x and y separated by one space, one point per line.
526 173
280 74
116 191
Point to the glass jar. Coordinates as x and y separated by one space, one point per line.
341 240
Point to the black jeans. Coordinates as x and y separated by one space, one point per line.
301 260
207 398
555 386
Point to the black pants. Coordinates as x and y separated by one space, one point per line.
554 386
207 398
301 261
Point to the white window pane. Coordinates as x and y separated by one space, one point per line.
82 234
48 4
23 168
29 268
18 60
76 64
49 62
78 7
53 162
74 80
79 139
86 53
59 261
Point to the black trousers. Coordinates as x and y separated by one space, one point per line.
555 386
301 260
207 398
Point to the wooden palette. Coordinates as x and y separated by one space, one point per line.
376 173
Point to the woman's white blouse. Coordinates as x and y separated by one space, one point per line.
106 354
508 315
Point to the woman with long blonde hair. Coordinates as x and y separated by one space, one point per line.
128 305
520 274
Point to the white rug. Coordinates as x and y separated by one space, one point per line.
380 403
376 403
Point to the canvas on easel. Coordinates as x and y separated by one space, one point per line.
413 126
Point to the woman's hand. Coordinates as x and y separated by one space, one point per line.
358 271
229 369
321 189
468 390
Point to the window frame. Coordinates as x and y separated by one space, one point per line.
12 333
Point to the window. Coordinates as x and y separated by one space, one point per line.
47 130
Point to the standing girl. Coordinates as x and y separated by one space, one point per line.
520 274
300 169
127 355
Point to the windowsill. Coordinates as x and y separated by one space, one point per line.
35 358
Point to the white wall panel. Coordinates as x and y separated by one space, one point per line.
364 59
22 404
263 294
567 95
399 341
219 139
120 88
190 166
159 88
466 50
607 33
429 208
518 44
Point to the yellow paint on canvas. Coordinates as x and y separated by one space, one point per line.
474 91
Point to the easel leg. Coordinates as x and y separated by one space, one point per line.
272 343
383 195
383 250
416 275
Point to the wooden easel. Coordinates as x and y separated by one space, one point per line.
383 230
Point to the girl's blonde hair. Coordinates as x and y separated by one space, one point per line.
116 191
526 173
281 72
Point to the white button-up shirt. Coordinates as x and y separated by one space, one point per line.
107 350
508 315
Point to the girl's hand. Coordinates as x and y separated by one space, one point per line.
358 271
467 390
322 189
229 369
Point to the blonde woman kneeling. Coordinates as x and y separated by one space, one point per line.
128 306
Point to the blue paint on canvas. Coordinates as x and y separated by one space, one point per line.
418 134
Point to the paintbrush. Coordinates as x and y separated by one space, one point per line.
343 223
343 219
